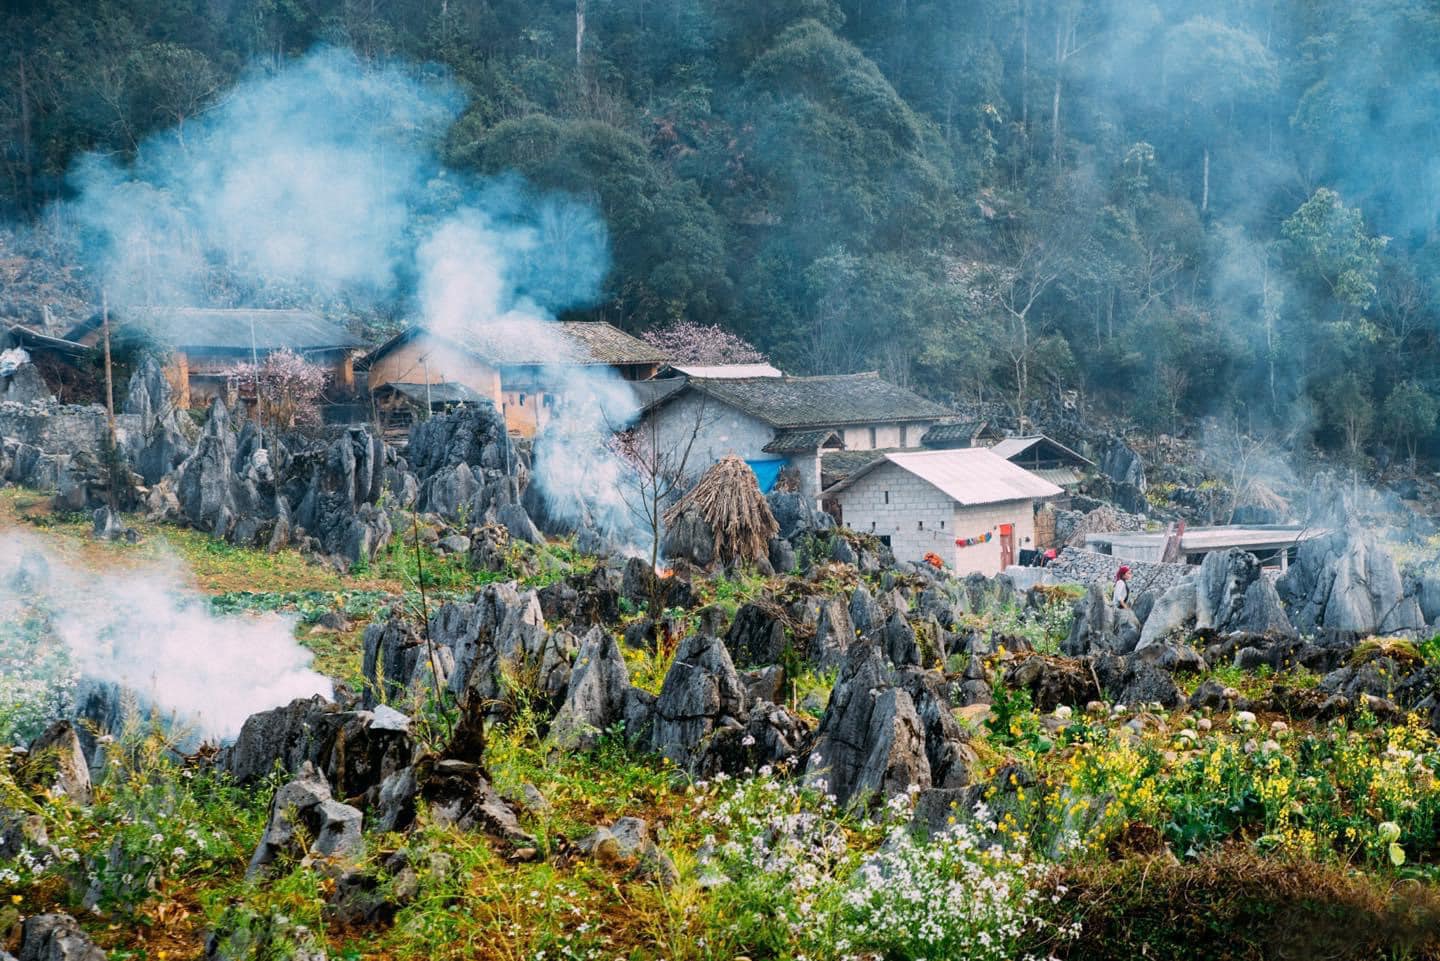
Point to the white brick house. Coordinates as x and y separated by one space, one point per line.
945 502
783 419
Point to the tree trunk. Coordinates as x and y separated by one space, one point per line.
1055 100
25 131
1024 67
579 32
1205 182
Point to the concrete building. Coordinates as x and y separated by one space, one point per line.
521 366
779 422
1275 546
971 507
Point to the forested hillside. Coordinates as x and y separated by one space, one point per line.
1178 209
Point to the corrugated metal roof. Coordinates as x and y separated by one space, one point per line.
1012 447
727 371
1063 476
969 475
830 401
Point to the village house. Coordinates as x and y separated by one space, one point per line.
202 344
520 366
775 422
969 507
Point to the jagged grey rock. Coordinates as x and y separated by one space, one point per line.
349 750
1346 581
701 692
59 750
56 937
689 538
595 700
1229 593
165 436
834 633
305 803
756 636
871 743
865 613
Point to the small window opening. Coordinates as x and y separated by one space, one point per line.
920 525
942 525
887 497
872 438
522 400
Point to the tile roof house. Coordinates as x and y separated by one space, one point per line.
970 507
519 365
786 421
205 342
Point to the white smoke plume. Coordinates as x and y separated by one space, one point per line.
147 632
323 179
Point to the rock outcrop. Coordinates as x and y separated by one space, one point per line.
56 937
701 694
595 700
353 751
1346 581
1229 593
306 821
871 742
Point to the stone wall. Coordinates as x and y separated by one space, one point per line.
1088 567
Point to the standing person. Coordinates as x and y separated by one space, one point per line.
1122 588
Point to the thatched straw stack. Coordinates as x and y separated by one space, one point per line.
729 500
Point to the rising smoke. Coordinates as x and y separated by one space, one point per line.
148 633
323 179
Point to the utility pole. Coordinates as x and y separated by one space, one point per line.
113 454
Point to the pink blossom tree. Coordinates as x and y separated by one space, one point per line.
686 342
285 387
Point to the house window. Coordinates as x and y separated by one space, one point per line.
942 525
919 525
885 539
887 497
872 439
872 525
902 438
522 400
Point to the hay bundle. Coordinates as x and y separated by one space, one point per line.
728 499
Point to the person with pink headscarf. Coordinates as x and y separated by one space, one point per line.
1122 587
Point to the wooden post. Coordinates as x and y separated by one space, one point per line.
113 454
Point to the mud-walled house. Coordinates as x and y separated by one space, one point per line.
782 422
203 344
971 508
523 367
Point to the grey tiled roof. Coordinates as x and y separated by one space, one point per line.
835 466
538 343
790 441
449 392
230 329
829 401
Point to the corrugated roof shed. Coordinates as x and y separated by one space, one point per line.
799 402
968 475
1012 447
727 371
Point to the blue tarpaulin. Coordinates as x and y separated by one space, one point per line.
766 471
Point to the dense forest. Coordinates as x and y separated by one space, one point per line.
1174 209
